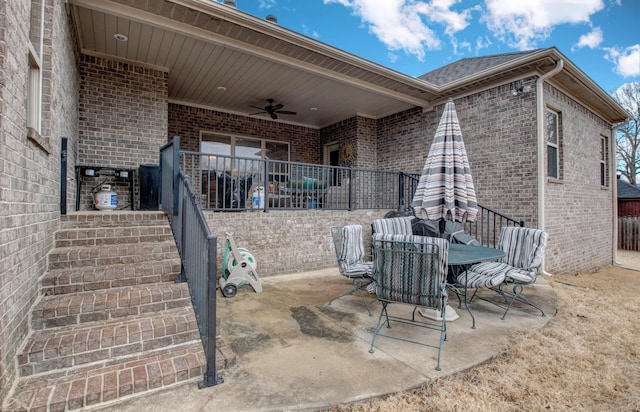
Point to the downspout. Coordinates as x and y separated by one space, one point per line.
541 148
614 197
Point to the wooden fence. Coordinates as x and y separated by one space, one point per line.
629 234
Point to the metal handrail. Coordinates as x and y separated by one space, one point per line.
197 247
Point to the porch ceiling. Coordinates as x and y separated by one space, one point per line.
205 46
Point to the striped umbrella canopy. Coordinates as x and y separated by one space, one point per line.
445 189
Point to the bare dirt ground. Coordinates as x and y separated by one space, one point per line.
587 358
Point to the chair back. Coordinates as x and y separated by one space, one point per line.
524 247
393 225
411 269
349 247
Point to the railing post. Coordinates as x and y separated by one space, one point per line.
401 201
211 376
265 186
350 188
176 174
63 176
183 239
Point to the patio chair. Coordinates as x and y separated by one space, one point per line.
524 250
352 261
411 270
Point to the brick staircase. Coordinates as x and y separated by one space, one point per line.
111 322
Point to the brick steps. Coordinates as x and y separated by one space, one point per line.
92 220
104 304
112 235
109 380
114 254
56 348
111 323
71 280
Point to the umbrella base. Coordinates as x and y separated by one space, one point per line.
436 315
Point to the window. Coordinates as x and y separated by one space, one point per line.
243 154
244 147
604 161
552 130
34 92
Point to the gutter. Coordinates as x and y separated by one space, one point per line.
541 148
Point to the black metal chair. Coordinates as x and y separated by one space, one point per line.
411 270
352 261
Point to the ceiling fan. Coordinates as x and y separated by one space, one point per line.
272 110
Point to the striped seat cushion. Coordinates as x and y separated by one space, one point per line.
524 250
407 270
484 275
351 256
393 225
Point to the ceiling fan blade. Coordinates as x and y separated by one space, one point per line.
259 108
251 114
285 112
276 107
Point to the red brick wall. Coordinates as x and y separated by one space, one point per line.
29 172
577 207
187 122
628 208
123 119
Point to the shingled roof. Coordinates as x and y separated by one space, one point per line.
627 191
469 66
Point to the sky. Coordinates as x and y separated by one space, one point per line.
414 37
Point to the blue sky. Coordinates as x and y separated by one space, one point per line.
413 37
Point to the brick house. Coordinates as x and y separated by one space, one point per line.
628 199
196 70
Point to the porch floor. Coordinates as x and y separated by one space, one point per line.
295 352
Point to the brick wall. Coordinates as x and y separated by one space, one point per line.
344 132
628 207
499 135
123 119
288 241
361 133
578 210
499 131
29 172
188 122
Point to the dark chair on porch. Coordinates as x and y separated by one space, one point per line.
411 270
524 250
352 261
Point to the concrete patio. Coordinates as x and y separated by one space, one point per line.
295 352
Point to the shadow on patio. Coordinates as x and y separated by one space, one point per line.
294 352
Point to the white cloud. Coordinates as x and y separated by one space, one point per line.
590 40
482 42
627 60
310 32
266 4
406 25
521 24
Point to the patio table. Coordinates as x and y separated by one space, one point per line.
466 256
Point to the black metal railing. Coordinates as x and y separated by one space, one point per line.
228 183
198 250
488 224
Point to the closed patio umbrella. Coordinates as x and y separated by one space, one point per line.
445 190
